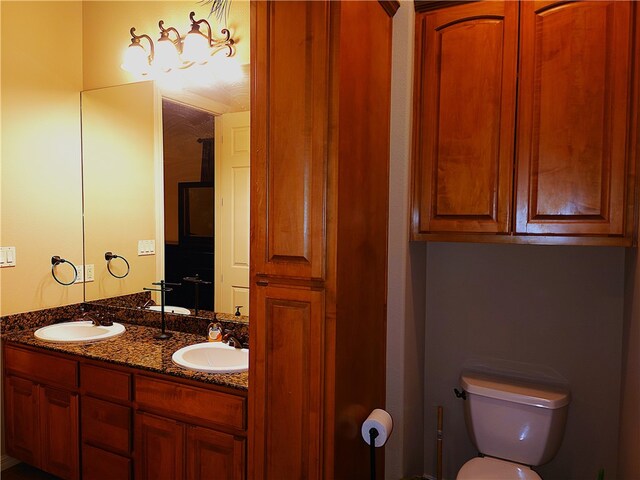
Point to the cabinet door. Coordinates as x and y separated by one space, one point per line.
464 114
98 464
573 113
59 432
289 132
286 394
21 419
159 448
214 455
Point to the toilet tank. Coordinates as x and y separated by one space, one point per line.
514 420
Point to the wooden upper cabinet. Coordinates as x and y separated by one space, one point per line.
289 137
573 117
464 114
560 170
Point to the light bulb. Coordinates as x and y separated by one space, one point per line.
166 56
195 48
136 59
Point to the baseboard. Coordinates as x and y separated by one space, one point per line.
7 462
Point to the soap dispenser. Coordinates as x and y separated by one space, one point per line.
214 332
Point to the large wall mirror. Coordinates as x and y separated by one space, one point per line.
166 188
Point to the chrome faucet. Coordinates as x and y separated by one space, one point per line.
232 341
98 319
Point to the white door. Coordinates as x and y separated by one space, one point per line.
232 222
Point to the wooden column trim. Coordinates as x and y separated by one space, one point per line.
390 6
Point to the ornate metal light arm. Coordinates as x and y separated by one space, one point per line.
216 44
164 34
135 40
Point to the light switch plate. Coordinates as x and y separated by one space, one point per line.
146 247
89 271
7 257
80 277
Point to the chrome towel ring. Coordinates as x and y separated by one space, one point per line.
55 261
108 256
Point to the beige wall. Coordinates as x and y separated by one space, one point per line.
41 198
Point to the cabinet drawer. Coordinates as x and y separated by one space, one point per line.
106 424
99 464
41 367
106 383
189 402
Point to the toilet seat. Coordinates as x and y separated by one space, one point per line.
487 468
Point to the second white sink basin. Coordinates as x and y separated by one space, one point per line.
171 309
213 357
78 332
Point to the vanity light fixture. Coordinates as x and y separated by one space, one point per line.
175 53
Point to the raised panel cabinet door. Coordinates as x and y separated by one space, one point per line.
158 447
289 131
464 118
286 394
98 464
21 419
59 432
573 115
213 455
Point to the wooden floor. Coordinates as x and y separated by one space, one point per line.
22 471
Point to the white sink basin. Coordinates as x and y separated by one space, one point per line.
214 357
171 309
78 332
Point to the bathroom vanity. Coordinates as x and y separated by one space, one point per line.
121 409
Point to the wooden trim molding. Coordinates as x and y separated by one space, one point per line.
422 6
7 462
390 6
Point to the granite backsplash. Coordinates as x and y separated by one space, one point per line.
129 309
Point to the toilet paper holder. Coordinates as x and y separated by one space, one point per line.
375 431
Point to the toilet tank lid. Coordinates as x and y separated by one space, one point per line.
514 390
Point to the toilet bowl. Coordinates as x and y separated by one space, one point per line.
514 424
488 468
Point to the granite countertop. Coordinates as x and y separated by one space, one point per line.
137 348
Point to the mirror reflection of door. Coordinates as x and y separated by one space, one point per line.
232 198
206 207
189 219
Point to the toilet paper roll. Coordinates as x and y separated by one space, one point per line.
382 422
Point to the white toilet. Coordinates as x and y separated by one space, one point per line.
513 424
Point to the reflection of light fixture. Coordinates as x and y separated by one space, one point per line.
181 52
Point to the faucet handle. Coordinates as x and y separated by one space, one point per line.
232 341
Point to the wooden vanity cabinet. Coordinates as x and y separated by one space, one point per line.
188 432
107 422
134 425
570 175
319 206
41 411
